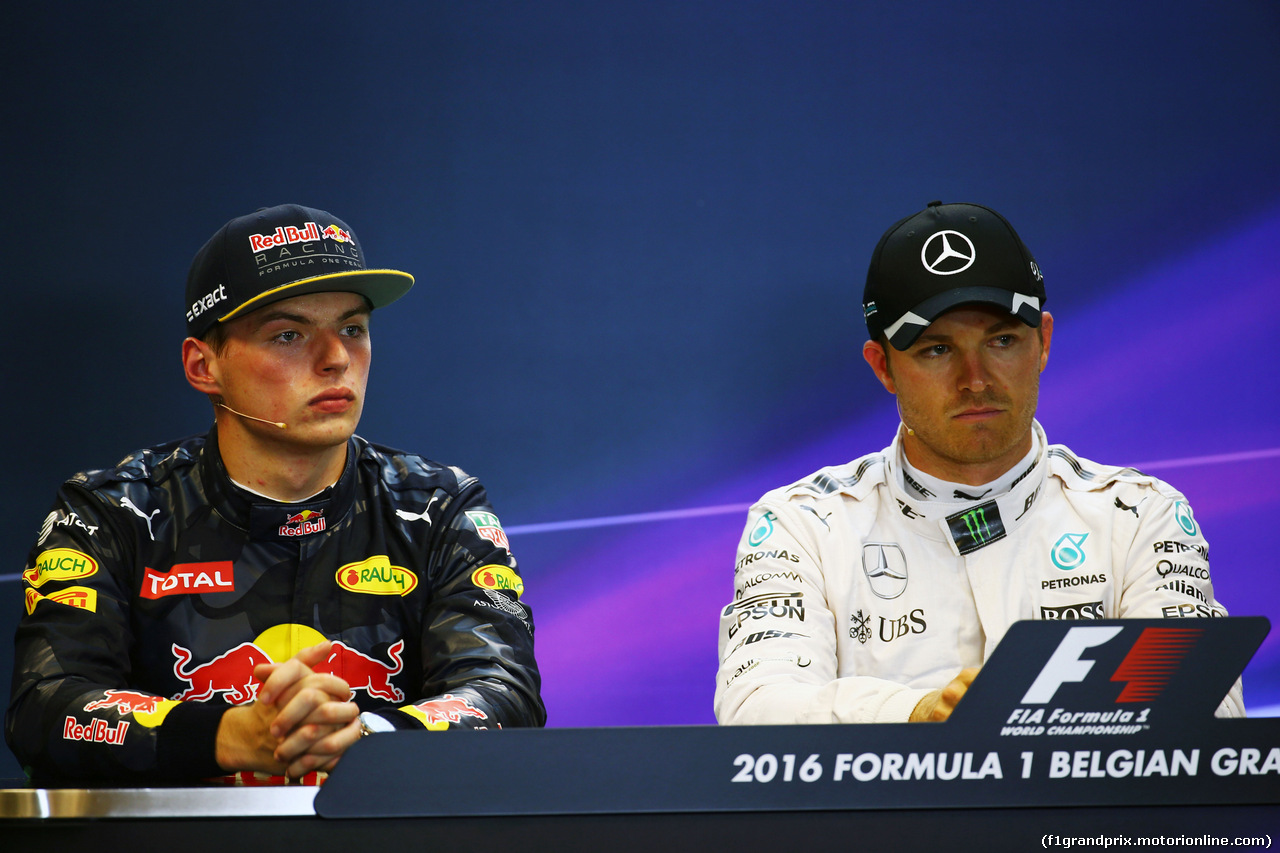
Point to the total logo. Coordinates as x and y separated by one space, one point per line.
230 674
188 578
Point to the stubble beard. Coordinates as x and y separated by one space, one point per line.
978 444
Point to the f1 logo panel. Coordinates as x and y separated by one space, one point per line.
1145 671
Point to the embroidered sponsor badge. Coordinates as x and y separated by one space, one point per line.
188 579
302 523
976 527
376 576
489 527
60 564
81 597
497 576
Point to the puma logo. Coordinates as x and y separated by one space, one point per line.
128 504
421 516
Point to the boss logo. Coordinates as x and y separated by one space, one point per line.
1084 610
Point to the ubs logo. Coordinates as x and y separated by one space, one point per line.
892 629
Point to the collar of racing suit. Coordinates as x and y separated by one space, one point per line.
971 525
265 519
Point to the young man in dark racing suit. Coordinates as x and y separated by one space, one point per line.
257 599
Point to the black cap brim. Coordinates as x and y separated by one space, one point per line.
909 327
380 287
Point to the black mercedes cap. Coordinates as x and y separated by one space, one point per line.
279 252
944 256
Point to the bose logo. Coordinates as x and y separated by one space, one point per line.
1146 669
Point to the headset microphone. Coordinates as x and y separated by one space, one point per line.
910 431
252 418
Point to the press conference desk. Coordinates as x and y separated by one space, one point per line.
1013 769
189 820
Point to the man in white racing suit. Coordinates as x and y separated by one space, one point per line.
874 591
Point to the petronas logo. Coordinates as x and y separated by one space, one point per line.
1068 552
763 529
1182 512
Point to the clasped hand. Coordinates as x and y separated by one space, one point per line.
301 721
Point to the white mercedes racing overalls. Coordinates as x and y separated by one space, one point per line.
855 596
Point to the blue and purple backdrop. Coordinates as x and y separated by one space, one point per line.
639 232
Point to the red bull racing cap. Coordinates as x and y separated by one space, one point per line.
276 253
942 257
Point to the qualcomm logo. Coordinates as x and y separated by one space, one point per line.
943 256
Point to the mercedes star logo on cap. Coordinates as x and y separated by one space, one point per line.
946 260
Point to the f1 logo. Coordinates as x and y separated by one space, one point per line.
1146 669
1065 664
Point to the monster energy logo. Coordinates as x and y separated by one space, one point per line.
977 527
976 520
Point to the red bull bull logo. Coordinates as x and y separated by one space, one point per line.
448 709
362 672
285 235
303 523
333 232
126 702
230 674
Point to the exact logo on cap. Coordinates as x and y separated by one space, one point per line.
204 303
